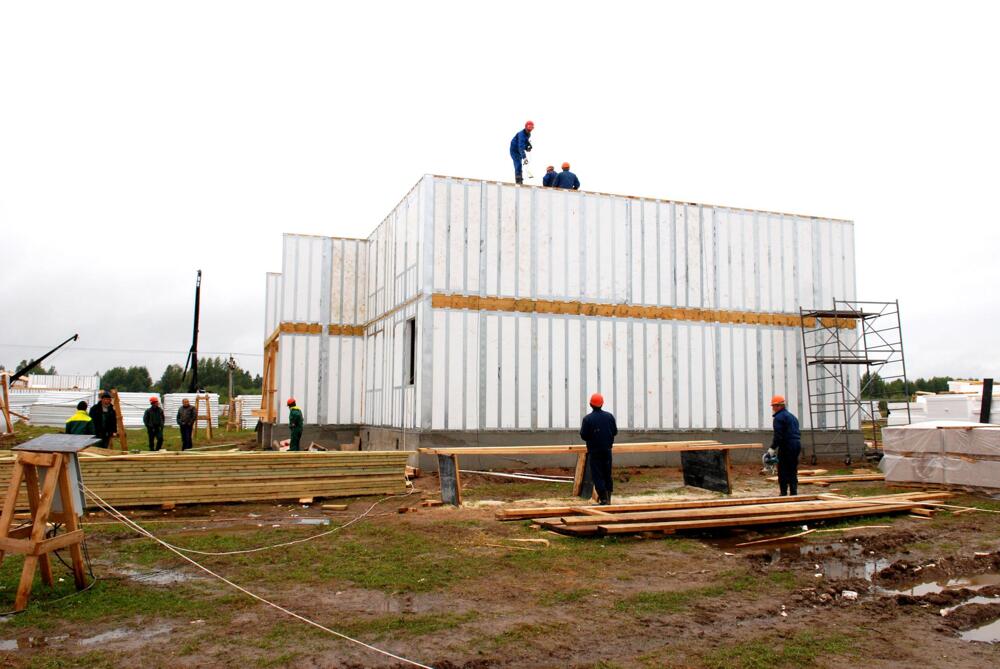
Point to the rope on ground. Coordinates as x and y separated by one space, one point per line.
134 526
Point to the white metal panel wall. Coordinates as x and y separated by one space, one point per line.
558 244
389 400
299 376
392 253
272 303
307 263
301 272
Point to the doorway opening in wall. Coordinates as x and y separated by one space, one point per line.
410 351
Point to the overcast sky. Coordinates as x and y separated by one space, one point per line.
142 141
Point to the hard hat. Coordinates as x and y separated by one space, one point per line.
565 166
154 400
777 399
530 125
597 400
291 401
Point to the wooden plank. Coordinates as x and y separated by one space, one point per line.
552 511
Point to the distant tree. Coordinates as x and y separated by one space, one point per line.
171 381
131 380
41 370
872 386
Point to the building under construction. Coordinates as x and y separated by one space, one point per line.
487 313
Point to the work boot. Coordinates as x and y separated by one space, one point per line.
519 181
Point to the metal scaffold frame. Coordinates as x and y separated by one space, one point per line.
856 335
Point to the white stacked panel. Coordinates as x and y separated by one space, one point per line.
54 408
134 405
943 452
63 382
248 404
172 402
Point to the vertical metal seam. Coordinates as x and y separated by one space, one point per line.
716 328
427 214
483 225
533 217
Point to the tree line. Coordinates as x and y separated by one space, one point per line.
874 387
213 376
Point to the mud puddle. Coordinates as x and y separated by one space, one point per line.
157 576
837 561
971 582
986 634
118 634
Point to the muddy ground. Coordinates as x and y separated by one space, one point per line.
450 588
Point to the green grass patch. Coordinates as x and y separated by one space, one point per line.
407 625
94 659
801 650
557 597
735 581
523 634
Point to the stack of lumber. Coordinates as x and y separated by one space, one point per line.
670 517
823 480
185 478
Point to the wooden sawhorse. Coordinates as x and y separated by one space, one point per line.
44 465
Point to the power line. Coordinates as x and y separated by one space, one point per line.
131 350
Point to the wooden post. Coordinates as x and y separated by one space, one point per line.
5 404
120 427
235 414
207 416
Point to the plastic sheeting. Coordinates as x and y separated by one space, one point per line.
943 452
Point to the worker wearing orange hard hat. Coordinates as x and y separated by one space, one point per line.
566 179
520 145
787 446
154 419
295 424
598 430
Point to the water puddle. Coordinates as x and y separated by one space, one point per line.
833 561
974 600
314 521
157 576
972 582
986 634
118 634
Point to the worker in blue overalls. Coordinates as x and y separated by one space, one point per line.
519 147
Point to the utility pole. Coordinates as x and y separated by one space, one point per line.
193 353
234 419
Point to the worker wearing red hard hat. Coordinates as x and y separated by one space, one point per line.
154 420
598 429
550 176
566 179
295 424
519 147
787 445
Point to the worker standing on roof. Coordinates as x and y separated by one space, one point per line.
598 430
186 418
787 444
105 419
519 147
80 422
154 420
550 176
566 179
295 423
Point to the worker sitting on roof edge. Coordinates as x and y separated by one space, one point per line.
550 176
80 422
788 445
566 179
295 423
520 144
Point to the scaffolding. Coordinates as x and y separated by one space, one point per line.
852 353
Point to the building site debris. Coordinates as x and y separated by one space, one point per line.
187 478
670 517
826 480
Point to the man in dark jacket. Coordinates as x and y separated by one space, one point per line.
105 420
519 146
295 423
186 417
566 179
788 445
550 176
598 430
154 421
80 422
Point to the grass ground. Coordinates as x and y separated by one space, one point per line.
455 588
137 438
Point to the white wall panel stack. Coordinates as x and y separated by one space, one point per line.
248 404
134 405
54 408
534 370
173 401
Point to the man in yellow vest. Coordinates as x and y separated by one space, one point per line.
80 422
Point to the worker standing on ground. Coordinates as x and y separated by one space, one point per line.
788 445
154 420
519 147
550 176
80 422
598 430
566 179
295 423
105 420
186 417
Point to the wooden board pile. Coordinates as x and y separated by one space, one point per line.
186 478
670 517
824 480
